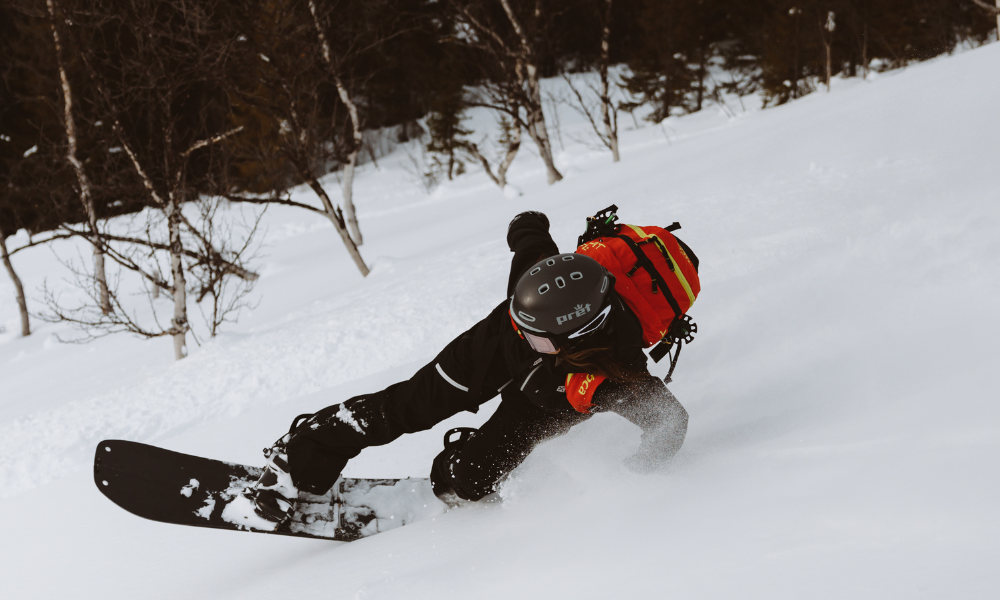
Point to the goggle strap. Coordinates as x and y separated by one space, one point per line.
593 325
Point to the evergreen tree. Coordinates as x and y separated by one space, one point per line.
670 64
444 125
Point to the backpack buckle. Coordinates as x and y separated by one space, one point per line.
681 330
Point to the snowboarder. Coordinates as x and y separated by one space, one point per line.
562 346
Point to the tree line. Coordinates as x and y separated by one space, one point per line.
167 110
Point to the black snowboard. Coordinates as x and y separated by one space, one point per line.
182 489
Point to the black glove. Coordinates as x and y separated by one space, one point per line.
526 224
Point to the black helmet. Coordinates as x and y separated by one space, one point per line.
560 300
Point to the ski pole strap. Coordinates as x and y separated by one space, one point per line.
663 349
681 330
673 362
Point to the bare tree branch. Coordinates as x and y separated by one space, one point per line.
273 200
201 258
147 96
42 242
584 109
212 140
993 10
299 75
510 76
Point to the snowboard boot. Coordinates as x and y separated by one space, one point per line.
274 494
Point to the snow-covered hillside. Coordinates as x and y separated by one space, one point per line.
844 435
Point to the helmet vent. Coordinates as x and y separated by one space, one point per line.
551 262
543 288
568 257
560 282
526 316
535 271
604 286
576 276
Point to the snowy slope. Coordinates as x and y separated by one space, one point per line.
844 426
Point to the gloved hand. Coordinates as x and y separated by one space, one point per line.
649 457
649 404
526 224
659 445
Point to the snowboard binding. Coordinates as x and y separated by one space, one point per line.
274 494
442 478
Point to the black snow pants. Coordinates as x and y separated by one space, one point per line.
468 372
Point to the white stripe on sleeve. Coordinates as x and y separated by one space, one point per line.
449 379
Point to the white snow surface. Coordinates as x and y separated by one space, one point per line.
844 435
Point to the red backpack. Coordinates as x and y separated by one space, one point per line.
656 275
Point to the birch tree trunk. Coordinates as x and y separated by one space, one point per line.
513 145
609 130
829 69
81 176
179 323
352 109
536 125
702 72
830 26
18 288
335 217
864 44
352 161
527 73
